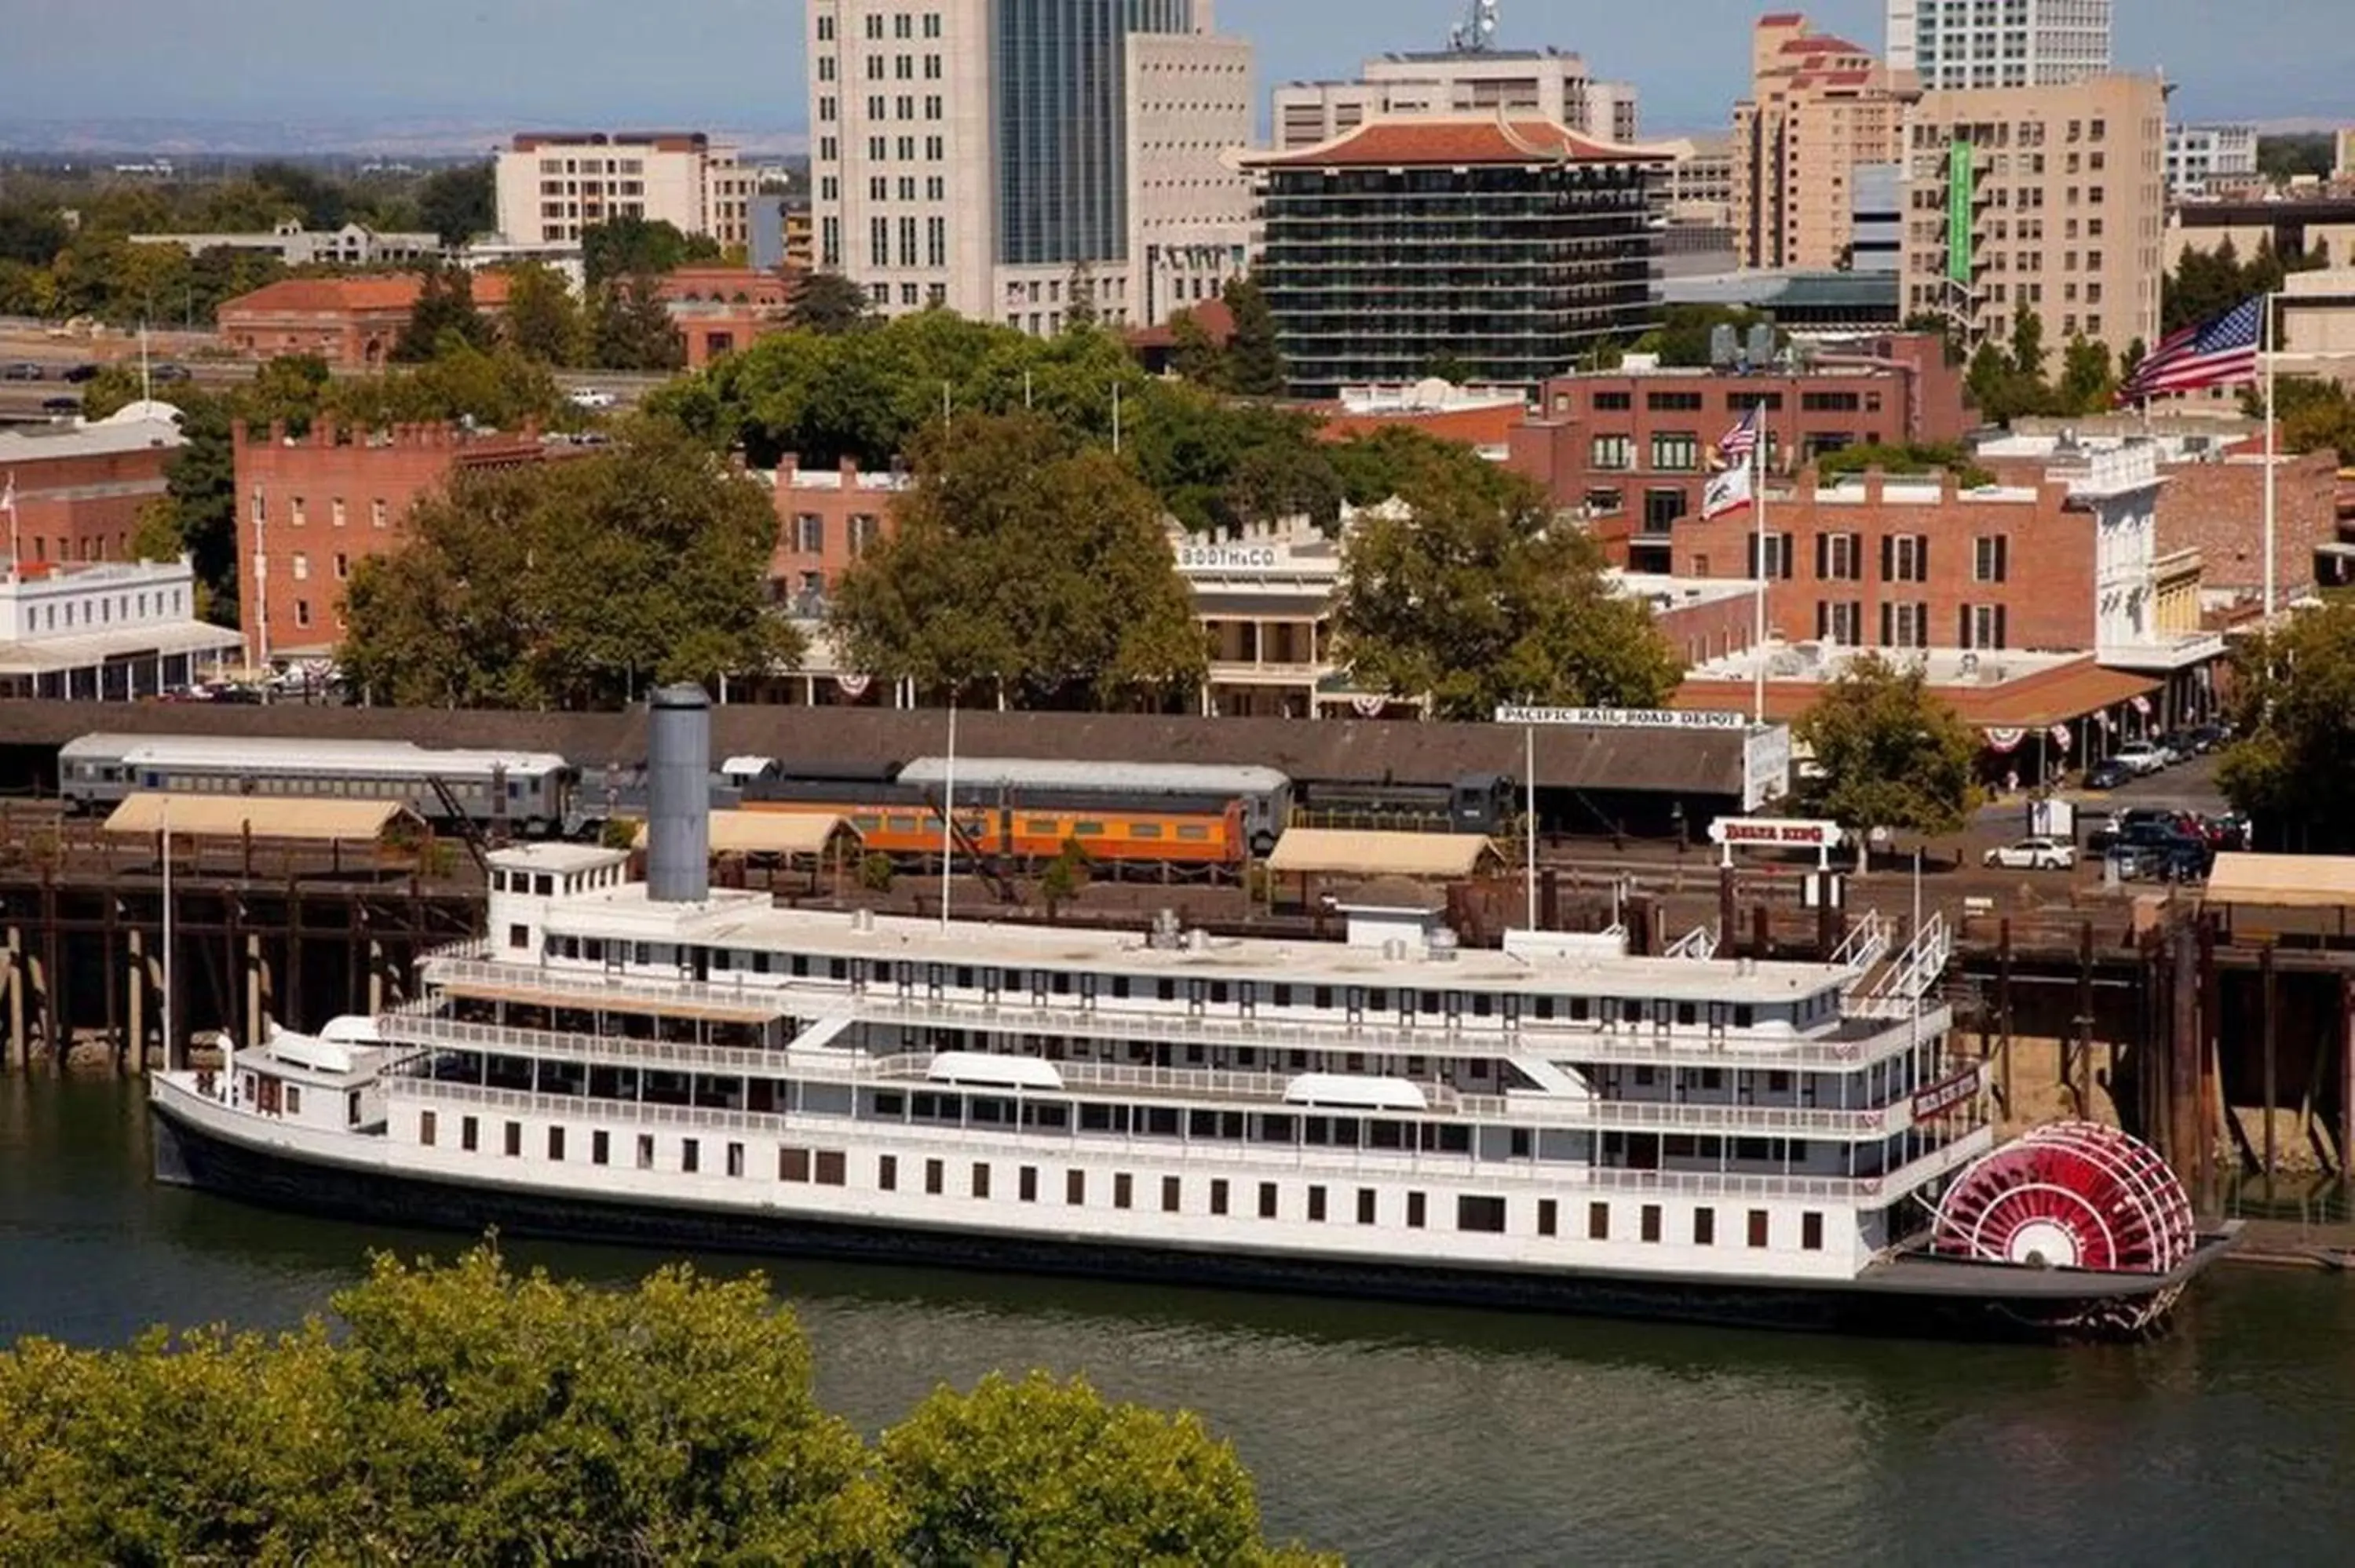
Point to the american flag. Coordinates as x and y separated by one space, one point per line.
1738 444
2218 352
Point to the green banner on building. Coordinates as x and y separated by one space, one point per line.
1960 194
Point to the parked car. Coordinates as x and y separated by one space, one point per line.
2208 738
2143 757
82 372
2108 774
60 404
2137 825
169 372
590 398
2033 854
2175 857
24 370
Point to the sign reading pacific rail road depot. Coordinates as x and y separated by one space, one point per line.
1623 718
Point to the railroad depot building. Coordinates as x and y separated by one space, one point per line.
77 488
312 507
1631 450
350 323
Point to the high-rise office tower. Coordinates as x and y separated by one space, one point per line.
995 156
1952 44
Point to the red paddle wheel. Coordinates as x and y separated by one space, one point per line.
2073 1194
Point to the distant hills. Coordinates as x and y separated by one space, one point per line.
426 138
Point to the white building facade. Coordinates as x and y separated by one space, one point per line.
2198 155
550 187
113 631
1548 84
1950 44
997 156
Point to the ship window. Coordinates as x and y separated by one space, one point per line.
933 1177
1415 1211
556 1143
1316 1204
832 1168
1744 1015
1379 1000
1580 1009
1704 1227
1366 1205
1549 1216
1027 1184
518 936
600 1147
514 1138
1267 1199
295 1103
1123 1191
1757 1227
1811 1232
1218 1194
467 1134
735 1159
1120 986
690 1154
645 1152
792 1165
980 1180
1645 1076
890 1104
1075 1187
1325 996
1650 1221
1712 1077
1165 991
426 1128
1545 1007
1486 1214
1598 1222
1631 1011
1688 1013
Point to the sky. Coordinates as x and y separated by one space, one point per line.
737 64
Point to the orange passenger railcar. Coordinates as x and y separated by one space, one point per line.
1031 832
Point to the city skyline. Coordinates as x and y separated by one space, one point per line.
598 61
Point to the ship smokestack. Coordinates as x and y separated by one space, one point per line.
678 795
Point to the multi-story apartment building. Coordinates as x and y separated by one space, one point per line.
1943 45
311 509
1504 248
1701 180
2200 155
994 155
550 187
76 490
1538 84
1819 107
2046 198
1631 448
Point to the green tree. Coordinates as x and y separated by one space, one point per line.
2293 706
635 247
320 202
631 329
1273 482
200 481
1192 354
987 1477
1026 567
1893 753
829 303
2086 384
2028 345
1080 297
459 203
155 531
1254 358
1472 591
2316 415
542 320
2285 157
444 310
572 584
1910 458
1063 878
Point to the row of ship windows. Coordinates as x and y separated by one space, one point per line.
1043 983
830 1168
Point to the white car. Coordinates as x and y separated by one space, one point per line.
590 398
2144 755
2034 854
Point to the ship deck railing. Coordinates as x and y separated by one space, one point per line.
1241 1158
1856 1042
1200 1087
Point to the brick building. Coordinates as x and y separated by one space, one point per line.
351 323
79 488
2069 564
2214 500
1633 448
718 310
825 519
311 508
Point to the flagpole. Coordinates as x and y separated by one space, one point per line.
2273 425
1758 507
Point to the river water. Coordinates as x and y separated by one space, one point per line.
1413 1435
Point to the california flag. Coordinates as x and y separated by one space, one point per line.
1728 490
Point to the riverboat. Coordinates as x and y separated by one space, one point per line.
1555 1123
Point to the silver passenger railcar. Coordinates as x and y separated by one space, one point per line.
532 791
